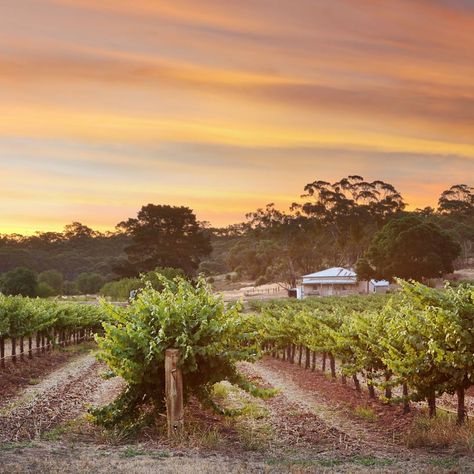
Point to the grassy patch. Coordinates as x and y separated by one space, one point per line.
441 432
330 462
135 451
55 434
371 461
221 390
17 445
248 418
445 463
254 436
71 426
366 413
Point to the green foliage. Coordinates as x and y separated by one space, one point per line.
210 336
430 338
420 337
20 316
166 236
412 247
457 200
53 279
89 283
120 290
45 291
20 281
76 250
155 277
70 288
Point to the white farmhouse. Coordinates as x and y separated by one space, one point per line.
338 281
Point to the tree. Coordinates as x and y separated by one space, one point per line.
44 290
458 200
53 279
78 231
164 236
89 283
412 248
20 281
350 211
277 247
364 271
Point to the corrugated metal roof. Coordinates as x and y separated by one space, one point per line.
334 272
379 282
328 281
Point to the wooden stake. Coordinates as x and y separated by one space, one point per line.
174 392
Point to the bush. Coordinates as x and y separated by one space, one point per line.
53 279
210 336
169 273
89 283
45 291
20 281
70 288
120 290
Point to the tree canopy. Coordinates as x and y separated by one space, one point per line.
412 248
20 281
164 236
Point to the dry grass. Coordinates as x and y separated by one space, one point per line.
441 432
365 413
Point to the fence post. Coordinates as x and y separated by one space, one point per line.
174 392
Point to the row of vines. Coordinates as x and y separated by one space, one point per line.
29 326
420 340
414 345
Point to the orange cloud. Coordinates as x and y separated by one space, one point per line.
223 105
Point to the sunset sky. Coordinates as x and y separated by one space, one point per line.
223 106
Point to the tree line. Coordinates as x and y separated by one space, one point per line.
351 222
359 224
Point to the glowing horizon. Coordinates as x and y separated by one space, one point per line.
223 107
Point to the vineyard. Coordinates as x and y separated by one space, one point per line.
420 339
31 326
393 350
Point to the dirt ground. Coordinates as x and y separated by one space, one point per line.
308 426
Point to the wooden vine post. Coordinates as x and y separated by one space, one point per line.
174 392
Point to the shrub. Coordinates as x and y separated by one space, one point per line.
70 288
120 290
53 279
20 281
89 283
45 291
